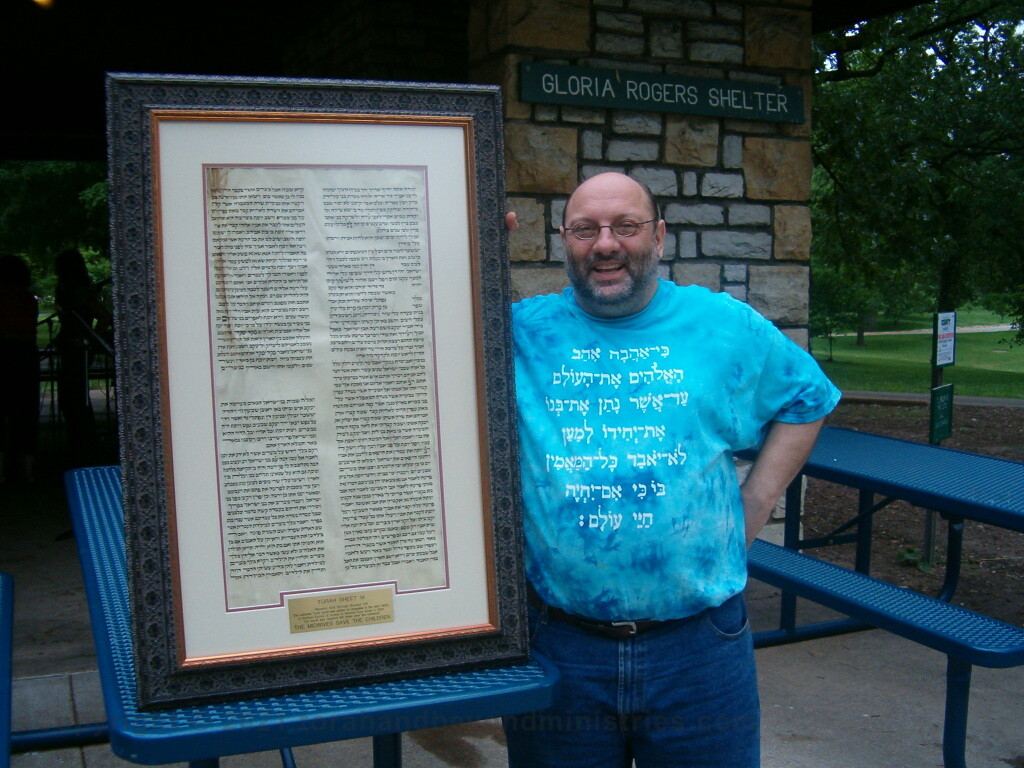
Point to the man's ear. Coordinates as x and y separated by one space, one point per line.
659 236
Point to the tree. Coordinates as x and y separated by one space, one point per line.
837 304
919 145
49 206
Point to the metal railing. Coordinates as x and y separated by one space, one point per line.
99 374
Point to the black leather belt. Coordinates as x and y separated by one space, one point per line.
615 630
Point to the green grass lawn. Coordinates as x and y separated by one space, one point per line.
42 330
902 363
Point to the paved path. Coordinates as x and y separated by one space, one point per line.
923 398
867 700
968 329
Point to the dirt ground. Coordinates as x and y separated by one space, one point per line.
992 575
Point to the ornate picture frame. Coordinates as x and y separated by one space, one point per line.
315 382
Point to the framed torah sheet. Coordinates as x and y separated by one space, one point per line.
314 382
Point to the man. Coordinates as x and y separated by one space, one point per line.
633 393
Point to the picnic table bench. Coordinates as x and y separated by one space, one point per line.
957 484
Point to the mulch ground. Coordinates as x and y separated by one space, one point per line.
992 575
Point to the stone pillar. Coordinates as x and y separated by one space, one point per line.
734 192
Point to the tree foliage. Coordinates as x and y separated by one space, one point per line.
838 303
919 150
49 206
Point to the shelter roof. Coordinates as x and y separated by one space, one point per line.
54 55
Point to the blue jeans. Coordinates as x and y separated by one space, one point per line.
682 695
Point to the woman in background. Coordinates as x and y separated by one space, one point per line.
19 383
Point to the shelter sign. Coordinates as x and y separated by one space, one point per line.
657 92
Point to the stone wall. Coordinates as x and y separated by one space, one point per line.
734 192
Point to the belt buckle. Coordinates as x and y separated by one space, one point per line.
631 625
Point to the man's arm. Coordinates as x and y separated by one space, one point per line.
784 452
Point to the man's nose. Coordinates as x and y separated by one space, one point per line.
606 241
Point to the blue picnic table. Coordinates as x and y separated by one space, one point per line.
202 734
959 485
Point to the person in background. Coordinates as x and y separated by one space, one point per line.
633 392
19 383
82 314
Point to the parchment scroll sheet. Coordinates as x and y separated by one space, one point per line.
322 348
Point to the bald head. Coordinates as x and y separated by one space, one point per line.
613 182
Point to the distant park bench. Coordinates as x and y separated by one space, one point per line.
959 485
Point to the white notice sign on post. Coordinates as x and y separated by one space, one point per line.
945 338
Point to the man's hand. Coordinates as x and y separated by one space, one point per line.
511 222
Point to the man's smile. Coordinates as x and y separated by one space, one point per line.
609 268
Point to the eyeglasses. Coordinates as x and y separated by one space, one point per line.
622 229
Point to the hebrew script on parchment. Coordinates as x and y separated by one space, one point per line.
322 346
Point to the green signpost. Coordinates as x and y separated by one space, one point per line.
943 354
940 422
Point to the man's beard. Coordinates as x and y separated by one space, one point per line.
642 272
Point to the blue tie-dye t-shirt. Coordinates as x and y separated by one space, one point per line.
627 426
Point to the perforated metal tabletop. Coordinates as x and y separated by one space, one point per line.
982 488
213 730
